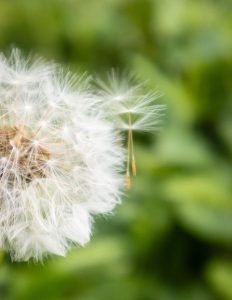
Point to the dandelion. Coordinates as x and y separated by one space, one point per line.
61 153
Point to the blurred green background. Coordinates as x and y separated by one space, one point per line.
171 239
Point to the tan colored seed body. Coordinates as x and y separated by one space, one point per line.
25 159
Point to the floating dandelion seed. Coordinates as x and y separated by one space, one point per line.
61 154
131 110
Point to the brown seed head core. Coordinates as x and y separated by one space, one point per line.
24 159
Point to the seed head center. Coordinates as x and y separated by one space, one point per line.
22 158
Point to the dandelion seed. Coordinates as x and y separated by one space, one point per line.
131 110
61 154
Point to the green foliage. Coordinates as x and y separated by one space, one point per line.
171 239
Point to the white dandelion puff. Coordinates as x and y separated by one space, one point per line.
61 154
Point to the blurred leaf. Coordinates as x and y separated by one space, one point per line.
203 205
219 275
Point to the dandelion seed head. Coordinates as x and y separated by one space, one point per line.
61 154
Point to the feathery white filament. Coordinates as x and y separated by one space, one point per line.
123 98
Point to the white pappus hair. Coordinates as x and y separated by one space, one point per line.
61 153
